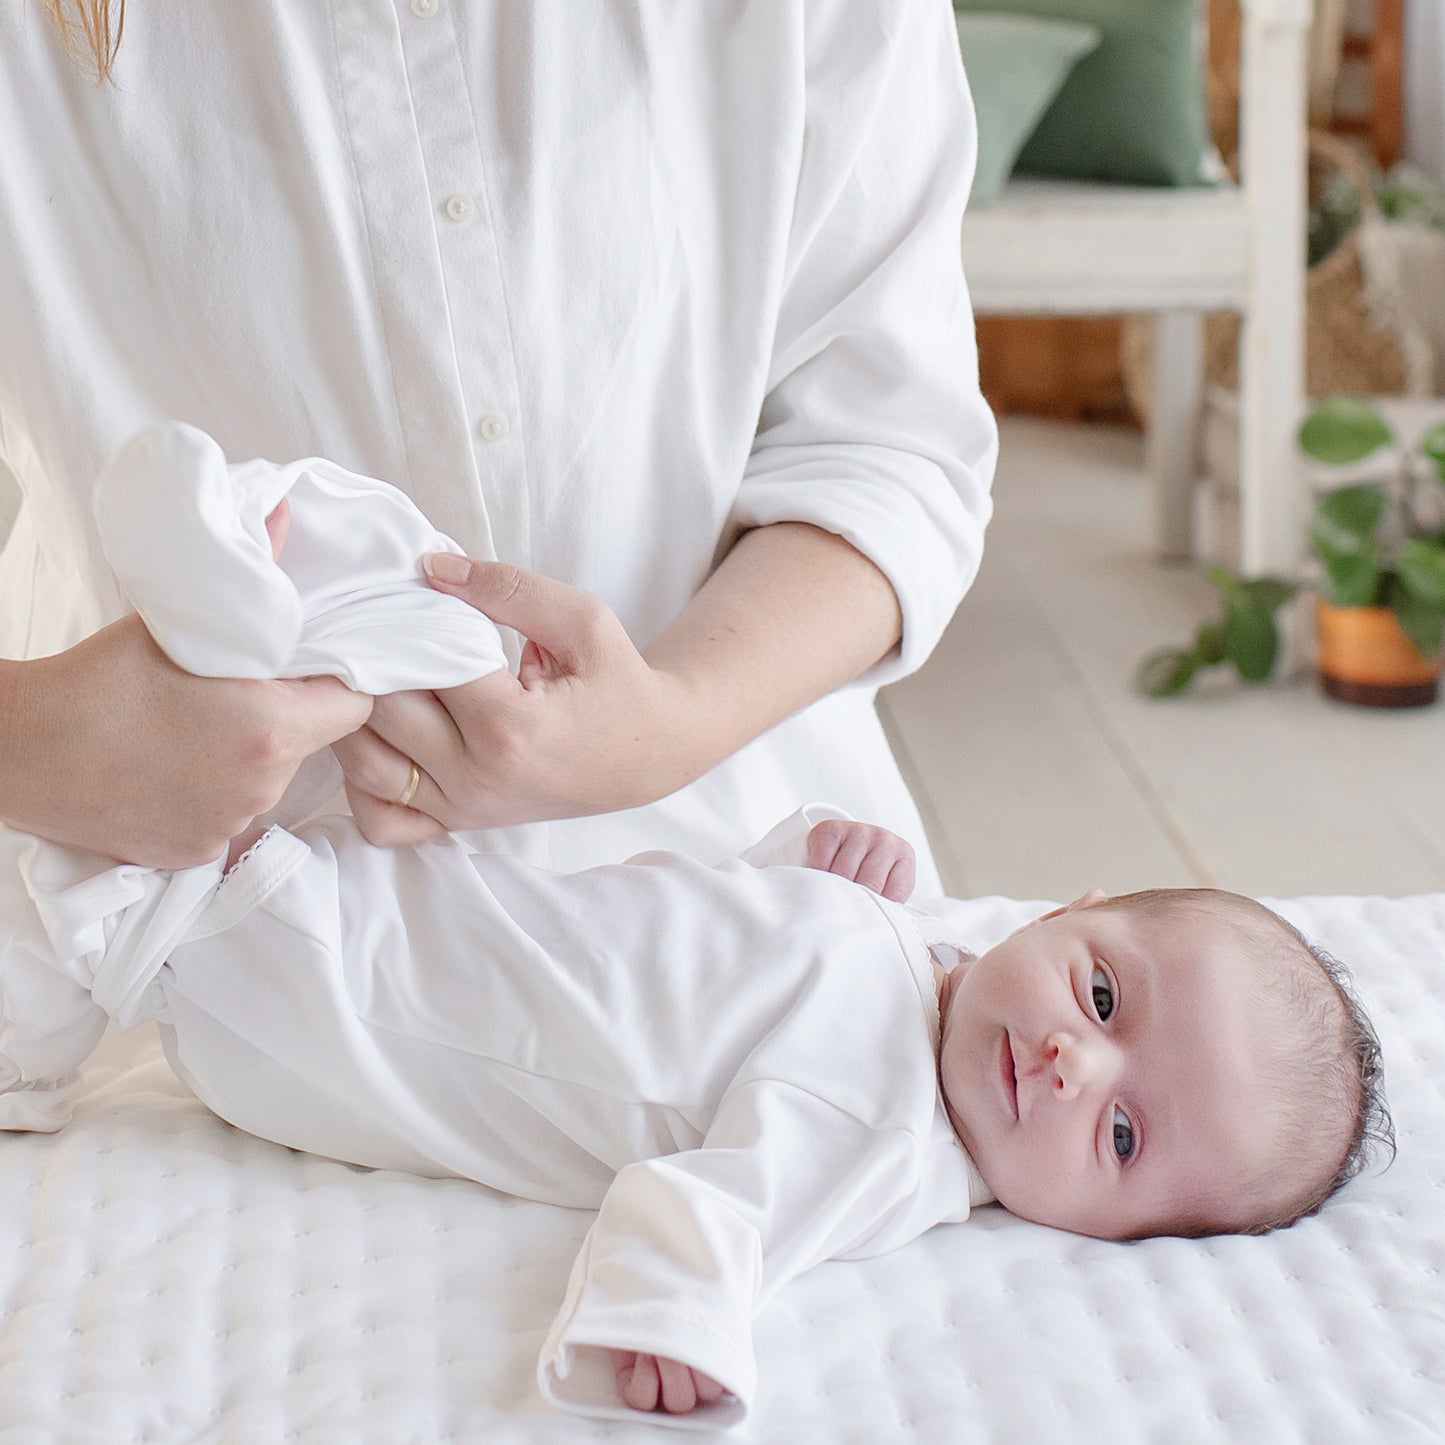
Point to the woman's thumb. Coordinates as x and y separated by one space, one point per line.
325 709
557 616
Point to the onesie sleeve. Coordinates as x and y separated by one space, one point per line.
688 1247
873 426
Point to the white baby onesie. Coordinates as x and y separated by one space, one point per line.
82 937
736 1064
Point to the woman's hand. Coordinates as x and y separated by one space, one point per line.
866 853
586 726
113 748
590 724
653 1382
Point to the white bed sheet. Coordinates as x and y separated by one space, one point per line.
166 1278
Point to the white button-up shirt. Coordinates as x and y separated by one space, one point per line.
597 284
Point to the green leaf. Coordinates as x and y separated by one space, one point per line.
1209 645
1227 582
1432 445
1166 672
1354 581
1270 592
1251 639
1422 622
1354 575
1421 569
1350 513
1342 531
1343 429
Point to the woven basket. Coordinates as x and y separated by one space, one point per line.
1345 350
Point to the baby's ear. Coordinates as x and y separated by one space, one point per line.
1084 900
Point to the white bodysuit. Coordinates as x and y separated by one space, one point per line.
736 1064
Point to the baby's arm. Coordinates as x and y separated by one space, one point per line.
864 852
687 1247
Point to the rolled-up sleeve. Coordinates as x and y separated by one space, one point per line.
873 426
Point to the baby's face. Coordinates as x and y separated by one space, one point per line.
1101 1067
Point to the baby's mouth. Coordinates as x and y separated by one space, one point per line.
1010 1074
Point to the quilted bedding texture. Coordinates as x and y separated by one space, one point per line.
165 1278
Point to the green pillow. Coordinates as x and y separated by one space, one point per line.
1015 65
1133 109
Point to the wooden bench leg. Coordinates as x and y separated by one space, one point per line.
1172 447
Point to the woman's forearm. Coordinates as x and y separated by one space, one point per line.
790 614
18 729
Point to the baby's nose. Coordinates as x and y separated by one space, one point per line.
1081 1062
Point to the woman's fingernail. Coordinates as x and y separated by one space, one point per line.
447 567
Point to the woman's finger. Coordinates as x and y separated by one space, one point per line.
321 711
419 725
564 621
391 807
390 825
374 767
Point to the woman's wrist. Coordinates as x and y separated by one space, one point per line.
791 614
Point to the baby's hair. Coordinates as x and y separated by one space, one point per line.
1332 1063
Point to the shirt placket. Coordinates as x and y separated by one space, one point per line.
437 271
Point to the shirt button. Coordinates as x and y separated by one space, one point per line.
493 427
425 8
460 207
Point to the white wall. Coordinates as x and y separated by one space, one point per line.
1425 84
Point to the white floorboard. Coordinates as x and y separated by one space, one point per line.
1043 773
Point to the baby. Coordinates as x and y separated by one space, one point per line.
752 1067
745 1068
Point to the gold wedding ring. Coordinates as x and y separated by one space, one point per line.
412 784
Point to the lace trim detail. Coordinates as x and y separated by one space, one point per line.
248 854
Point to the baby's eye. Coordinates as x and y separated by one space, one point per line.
1103 992
1123 1135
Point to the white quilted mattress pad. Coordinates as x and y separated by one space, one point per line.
166 1278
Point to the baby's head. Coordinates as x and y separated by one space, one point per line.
1179 1061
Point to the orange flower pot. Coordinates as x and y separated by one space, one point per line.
1364 657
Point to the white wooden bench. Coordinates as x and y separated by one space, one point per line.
1076 249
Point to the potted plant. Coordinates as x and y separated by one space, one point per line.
1380 619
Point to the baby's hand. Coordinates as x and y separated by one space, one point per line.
864 852
653 1382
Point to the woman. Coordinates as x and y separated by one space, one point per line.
662 303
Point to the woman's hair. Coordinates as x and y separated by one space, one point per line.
91 30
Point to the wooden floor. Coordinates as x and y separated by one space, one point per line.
1043 773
